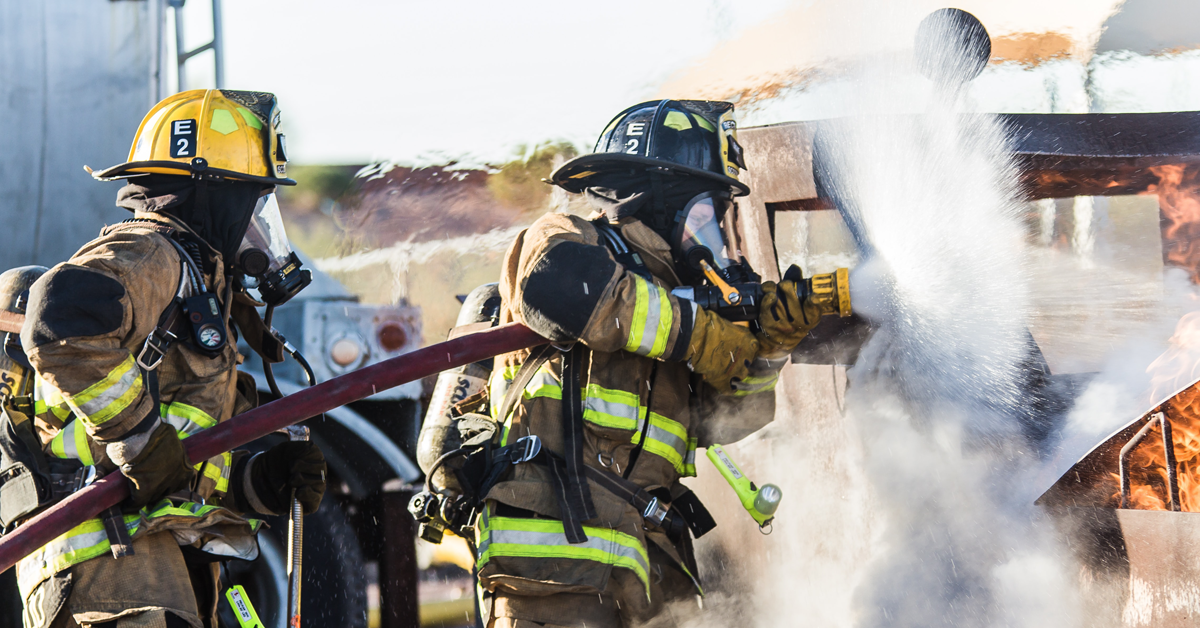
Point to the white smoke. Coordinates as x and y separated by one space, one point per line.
914 512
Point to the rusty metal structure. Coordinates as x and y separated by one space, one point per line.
1135 561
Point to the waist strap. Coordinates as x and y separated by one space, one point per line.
673 516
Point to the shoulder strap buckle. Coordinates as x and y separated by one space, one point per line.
155 348
656 512
529 448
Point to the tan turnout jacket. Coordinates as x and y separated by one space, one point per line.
96 311
644 413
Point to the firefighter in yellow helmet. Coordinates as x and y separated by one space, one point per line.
133 345
584 521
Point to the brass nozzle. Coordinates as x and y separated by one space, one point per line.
831 292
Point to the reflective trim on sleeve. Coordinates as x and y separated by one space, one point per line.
47 398
217 469
108 397
653 319
756 384
187 420
71 442
544 538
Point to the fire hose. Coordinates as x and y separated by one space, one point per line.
236 432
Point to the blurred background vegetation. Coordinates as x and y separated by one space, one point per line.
421 234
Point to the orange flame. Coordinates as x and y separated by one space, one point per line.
1178 366
1178 191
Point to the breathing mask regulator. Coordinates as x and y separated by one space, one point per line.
266 257
731 288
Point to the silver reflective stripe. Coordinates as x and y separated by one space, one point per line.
68 440
667 438
64 551
183 425
612 408
650 328
131 377
542 379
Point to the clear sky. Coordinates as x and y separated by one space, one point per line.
363 80
370 80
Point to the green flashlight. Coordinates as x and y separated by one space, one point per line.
760 502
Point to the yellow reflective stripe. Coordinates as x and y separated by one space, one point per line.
677 120
83 542
667 439
689 461
47 398
666 319
653 317
88 540
83 449
640 305
544 538
187 420
543 384
217 469
58 445
71 442
617 409
755 385
108 397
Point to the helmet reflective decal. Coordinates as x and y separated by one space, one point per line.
223 122
183 138
637 129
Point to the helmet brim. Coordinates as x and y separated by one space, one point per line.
577 175
136 168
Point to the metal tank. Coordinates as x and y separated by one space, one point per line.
76 77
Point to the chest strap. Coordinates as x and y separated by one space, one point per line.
571 491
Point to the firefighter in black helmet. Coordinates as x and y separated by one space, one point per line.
585 521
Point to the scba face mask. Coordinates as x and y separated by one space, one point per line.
267 258
720 278
699 239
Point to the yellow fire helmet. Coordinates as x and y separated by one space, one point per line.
214 133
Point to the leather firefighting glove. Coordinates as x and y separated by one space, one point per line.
154 461
720 351
784 318
288 466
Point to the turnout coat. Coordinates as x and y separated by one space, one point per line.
644 414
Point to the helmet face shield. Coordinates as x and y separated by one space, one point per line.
266 255
698 235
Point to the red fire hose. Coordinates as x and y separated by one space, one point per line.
110 490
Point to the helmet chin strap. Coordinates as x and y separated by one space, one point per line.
661 222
